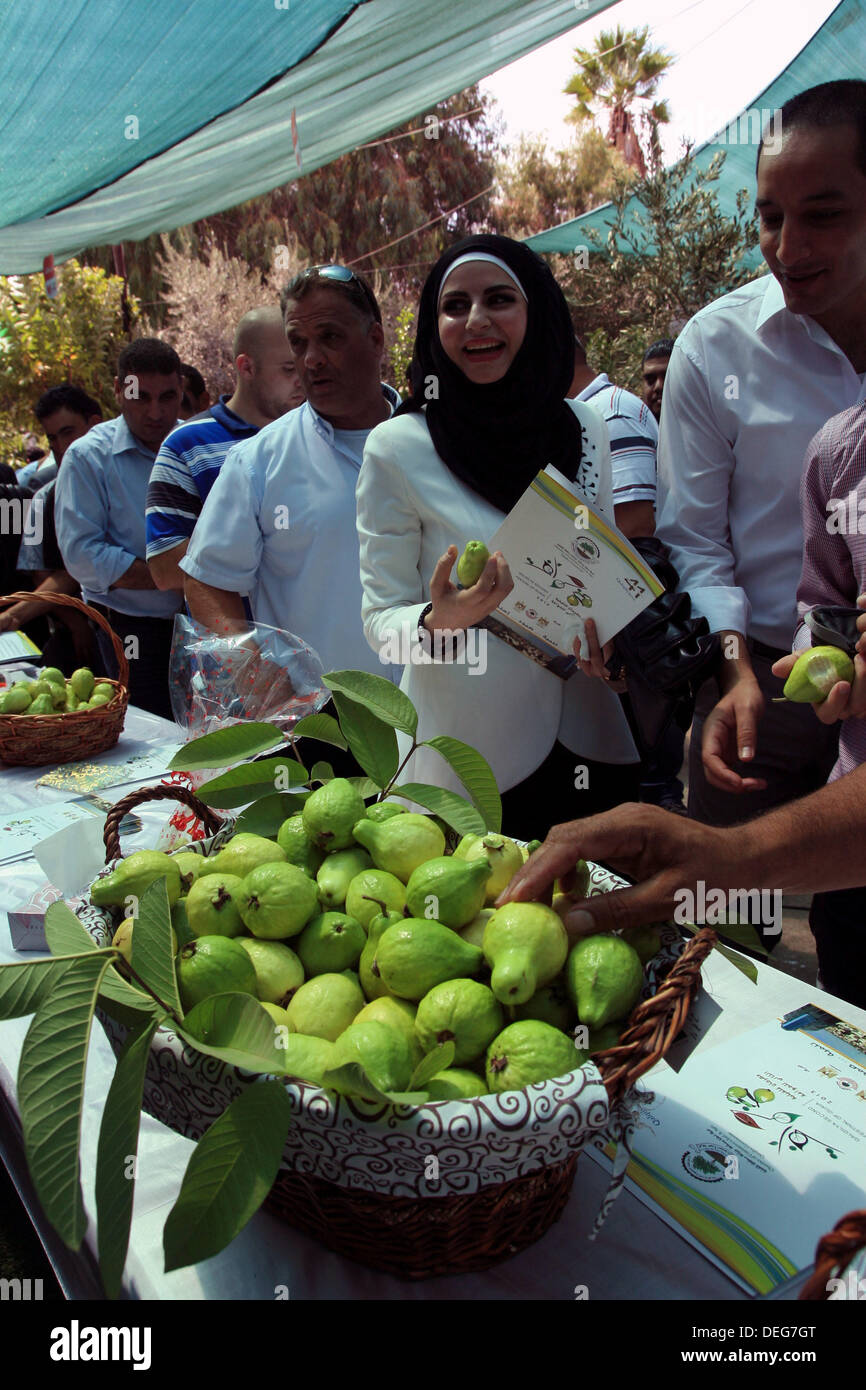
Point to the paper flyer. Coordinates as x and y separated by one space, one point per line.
22 831
567 565
756 1148
17 646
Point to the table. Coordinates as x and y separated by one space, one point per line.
636 1256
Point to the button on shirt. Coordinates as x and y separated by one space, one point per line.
634 437
99 515
279 526
748 385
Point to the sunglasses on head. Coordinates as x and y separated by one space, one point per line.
344 276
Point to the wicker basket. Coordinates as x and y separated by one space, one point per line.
836 1252
519 1149
33 740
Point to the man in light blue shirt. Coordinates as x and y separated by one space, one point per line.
278 525
100 518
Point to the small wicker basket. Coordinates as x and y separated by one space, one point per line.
416 1236
33 740
835 1253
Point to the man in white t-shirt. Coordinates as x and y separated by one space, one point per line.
752 377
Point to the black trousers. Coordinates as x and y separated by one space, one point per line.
148 657
838 922
548 796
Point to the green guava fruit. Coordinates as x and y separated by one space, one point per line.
325 1006
371 892
278 901
133 875
279 972
603 976
103 689
526 945
53 674
530 1051
213 905
400 845
502 854
471 564
331 942
460 1011
415 954
336 873
395 1013
815 673
645 940
330 812
306 1058
41 704
473 932
297 846
243 853
213 965
384 810
455 1083
191 865
448 890
82 682
550 1004
15 701
72 700
371 980
383 1052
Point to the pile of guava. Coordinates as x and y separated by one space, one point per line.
52 693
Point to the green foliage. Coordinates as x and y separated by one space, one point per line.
44 342
401 347
614 76
539 189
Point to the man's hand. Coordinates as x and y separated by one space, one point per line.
730 731
596 664
165 568
664 853
453 608
846 700
138 576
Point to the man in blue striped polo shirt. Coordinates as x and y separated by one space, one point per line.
191 457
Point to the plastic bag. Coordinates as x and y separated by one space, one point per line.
258 673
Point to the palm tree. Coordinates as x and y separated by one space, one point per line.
620 71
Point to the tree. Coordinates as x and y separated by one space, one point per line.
44 342
660 262
537 190
619 72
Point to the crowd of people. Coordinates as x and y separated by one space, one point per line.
317 501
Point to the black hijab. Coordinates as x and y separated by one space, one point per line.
496 437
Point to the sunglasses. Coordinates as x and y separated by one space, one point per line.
344 276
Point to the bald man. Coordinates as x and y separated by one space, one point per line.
191 456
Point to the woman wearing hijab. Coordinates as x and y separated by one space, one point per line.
492 364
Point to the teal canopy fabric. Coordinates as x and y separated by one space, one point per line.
837 50
119 118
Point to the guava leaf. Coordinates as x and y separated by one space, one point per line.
51 1089
743 964
441 1057
322 772
323 727
24 985
230 1173
266 815
251 780
118 1144
352 1079
66 935
380 696
152 956
364 786
226 746
373 743
455 810
743 934
476 775
235 1028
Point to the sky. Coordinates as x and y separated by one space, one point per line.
725 57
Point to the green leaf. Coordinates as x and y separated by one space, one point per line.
353 1080
380 696
152 956
230 1173
118 1143
476 775
453 809
441 1057
364 786
24 986
744 934
226 746
323 727
266 815
251 780
235 1028
372 743
51 1089
67 935
322 772
743 964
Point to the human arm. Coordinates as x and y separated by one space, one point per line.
219 609
635 518
81 519
54 582
809 846
165 568
224 553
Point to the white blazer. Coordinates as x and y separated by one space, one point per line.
411 507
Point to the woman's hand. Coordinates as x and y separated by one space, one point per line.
454 609
596 664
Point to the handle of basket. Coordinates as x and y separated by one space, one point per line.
657 1021
67 601
111 834
834 1252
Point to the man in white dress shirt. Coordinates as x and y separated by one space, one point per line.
752 377
278 525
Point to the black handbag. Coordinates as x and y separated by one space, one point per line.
665 653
